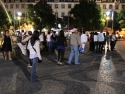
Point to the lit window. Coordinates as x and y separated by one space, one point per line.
11 6
62 5
69 6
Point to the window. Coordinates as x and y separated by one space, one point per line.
56 14
104 6
50 5
116 6
6 6
123 6
69 6
12 0
110 7
62 14
98 5
17 6
11 6
62 5
22 5
56 5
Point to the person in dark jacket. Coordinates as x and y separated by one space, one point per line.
61 44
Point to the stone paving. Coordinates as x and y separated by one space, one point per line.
96 74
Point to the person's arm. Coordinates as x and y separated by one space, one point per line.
25 40
2 39
78 40
65 42
37 47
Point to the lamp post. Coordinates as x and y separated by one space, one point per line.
19 18
107 17
19 21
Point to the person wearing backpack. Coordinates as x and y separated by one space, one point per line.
34 56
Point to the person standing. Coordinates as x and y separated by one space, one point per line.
19 43
84 39
34 49
113 39
101 41
7 45
61 44
95 42
25 40
75 42
48 38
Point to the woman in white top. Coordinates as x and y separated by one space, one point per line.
48 38
34 49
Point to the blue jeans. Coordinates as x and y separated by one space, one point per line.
33 70
48 45
74 53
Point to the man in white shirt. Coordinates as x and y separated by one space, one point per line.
101 41
84 39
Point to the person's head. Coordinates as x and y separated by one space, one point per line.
61 33
83 32
30 33
34 37
6 32
49 32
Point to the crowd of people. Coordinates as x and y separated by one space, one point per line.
29 44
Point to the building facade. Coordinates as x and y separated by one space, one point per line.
60 7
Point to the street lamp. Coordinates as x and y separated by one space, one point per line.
107 17
19 21
19 18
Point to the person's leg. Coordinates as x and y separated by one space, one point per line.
59 51
76 55
62 55
5 55
9 55
71 55
33 70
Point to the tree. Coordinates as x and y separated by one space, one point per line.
4 20
41 14
121 18
88 15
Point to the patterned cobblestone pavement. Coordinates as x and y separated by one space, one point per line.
97 74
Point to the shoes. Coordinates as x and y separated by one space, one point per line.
5 58
60 63
29 65
77 64
10 58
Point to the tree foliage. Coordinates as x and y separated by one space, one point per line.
41 14
88 15
4 20
121 18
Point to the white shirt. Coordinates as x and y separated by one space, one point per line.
48 38
84 38
41 38
100 37
95 38
36 47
